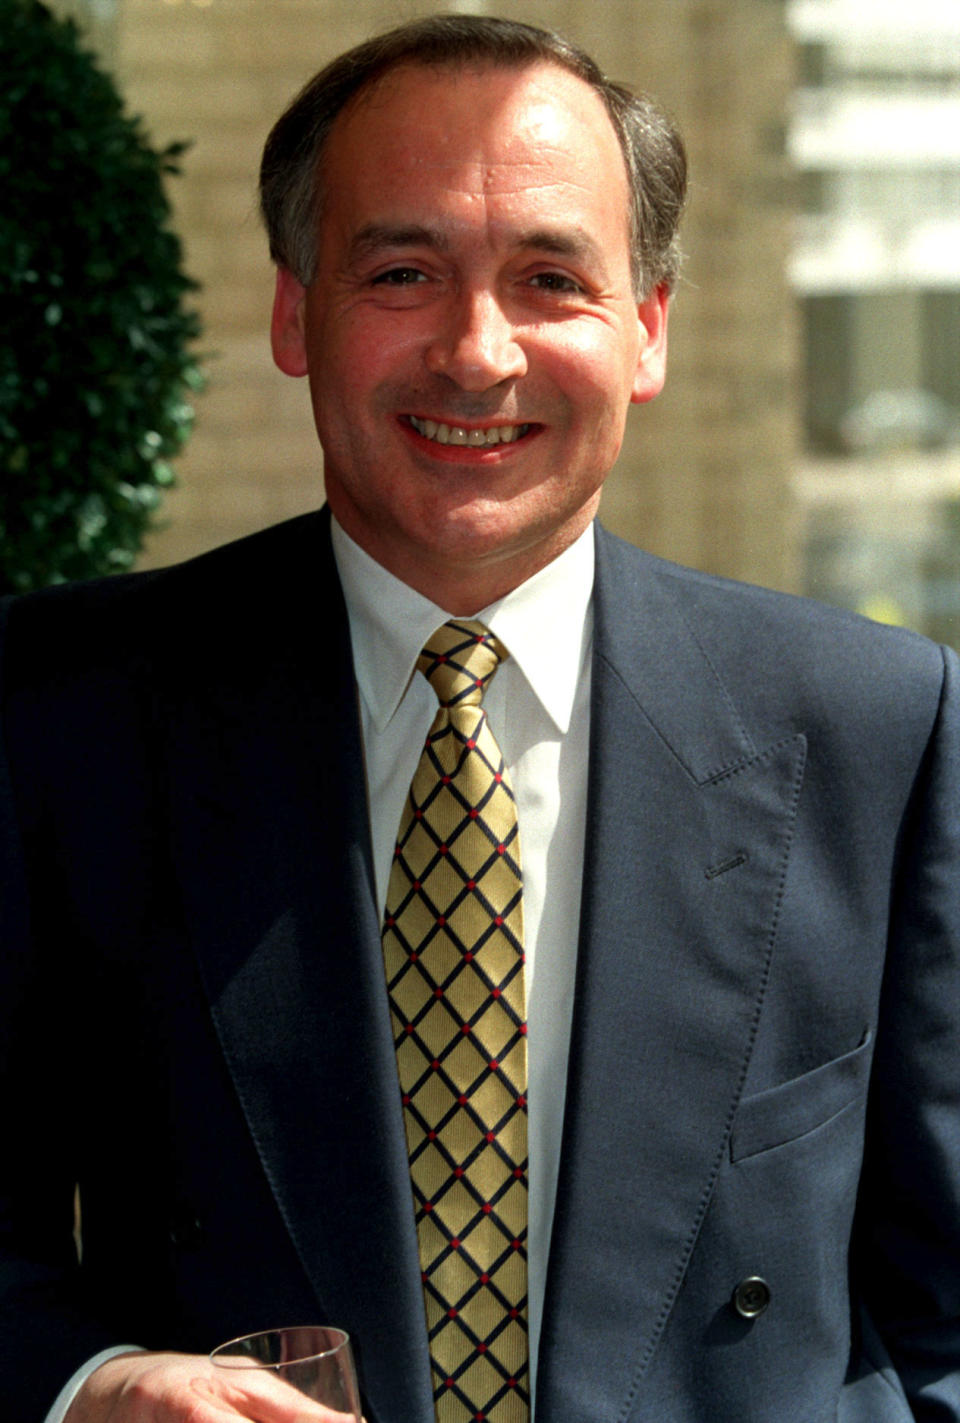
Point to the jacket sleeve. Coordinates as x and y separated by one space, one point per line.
45 1330
907 1251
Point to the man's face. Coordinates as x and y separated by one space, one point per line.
471 336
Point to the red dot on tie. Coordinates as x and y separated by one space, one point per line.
408 1028
523 1030
418 815
471 884
478 681
458 1171
428 1205
499 921
518 1172
468 957
455 1244
438 993
406 1099
501 849
442 657
482 1348
489 1136
514 1313
487 1209
414 956
423 1277
449 1383
494 1065
471 744
432 1135
516 1245
463 1102
495 993
416 884
441 921
521 1101
484 1280
474 813
511 1383
446 780
480 1417
442 849
396 852
498 777
465 1028
435 1064
390 921
451 1314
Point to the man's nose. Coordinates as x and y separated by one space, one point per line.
478 346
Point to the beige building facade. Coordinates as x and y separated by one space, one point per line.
704 476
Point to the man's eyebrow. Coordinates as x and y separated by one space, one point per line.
379 237
562 242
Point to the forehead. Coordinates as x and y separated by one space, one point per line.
484 129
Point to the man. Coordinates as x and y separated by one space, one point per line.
737 824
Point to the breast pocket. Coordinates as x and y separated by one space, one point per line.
791 1110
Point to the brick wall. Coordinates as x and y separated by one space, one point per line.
704 472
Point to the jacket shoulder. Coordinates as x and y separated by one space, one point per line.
780 656
188 610
764 619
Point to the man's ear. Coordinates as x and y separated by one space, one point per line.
652 361
286 325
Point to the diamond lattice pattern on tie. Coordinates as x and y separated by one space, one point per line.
453 951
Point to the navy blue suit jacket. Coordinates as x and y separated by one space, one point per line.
765 1063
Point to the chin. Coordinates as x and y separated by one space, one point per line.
465 536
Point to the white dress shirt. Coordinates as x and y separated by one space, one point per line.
538 707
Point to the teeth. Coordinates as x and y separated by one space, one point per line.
460 435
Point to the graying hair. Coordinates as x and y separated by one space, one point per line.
291 177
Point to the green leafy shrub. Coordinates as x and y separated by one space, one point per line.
95 362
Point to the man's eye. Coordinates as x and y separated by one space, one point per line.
399 277
556 282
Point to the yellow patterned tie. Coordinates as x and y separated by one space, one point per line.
453 951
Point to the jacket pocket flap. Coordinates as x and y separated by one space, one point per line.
783 1113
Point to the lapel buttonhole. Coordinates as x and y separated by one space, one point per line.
732 862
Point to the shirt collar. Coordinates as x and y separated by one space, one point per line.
545 623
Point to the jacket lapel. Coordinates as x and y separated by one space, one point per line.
274 856
688 831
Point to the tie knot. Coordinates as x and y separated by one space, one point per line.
458 661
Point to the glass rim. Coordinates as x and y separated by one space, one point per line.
223 1360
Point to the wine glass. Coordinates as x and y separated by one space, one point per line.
316 1360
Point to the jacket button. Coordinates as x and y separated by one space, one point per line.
751 1297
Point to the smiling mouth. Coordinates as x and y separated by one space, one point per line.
443 434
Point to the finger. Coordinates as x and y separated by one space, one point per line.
259 1396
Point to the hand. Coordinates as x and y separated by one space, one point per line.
187 1388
